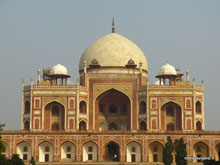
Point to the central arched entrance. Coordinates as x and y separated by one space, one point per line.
171 117
112 152
113 111
54 116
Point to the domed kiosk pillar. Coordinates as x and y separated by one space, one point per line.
58 73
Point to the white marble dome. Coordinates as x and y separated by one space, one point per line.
167 69
58 69
113 50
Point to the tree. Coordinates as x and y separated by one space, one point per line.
181 152
16 160
32 161
2 147
167 152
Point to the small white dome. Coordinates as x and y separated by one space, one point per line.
58 69
167 69
158 82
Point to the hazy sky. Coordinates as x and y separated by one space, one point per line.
40 34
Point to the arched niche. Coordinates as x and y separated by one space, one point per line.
46 152
24 150
68 150
200 149
82 125
90 152
171 116
133 152
142 125
54 116
155 151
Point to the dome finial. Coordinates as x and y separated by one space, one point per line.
113 25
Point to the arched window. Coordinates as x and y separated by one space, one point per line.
82 125
90 149
112 126
112 108
47 149
142 107
27 107
26 125
55 126
198 107
154 149
123 109
68 149
170 127
133 149
101 108
142 125
82 107
25 149
199 125
55 111
170 111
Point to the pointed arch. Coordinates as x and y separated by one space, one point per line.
82 125
46 151
115 103
112 151
155 151
198 107
200 149
26 125
142 125
199 125
68 150
90 151
134 152
82 107
171 113
54 116
24 150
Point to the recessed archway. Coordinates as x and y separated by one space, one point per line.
112 151
200 149
45 152
171 116
24 150
133 152
54 116
155 152
68 151
198 126
113 106
90 151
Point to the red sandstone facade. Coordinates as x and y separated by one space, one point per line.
112 114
